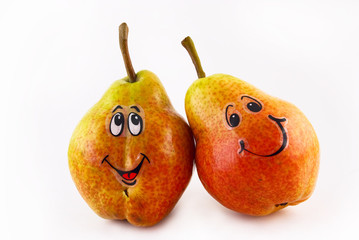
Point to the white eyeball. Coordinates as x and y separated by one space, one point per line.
116 125
135 124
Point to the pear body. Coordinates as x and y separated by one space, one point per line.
131 156
255 154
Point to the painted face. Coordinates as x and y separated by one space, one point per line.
249 109
127 121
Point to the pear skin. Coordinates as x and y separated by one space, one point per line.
131 156
255 154
165 140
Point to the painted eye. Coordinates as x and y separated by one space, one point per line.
251 104
254 107
116 125
234 120
135 124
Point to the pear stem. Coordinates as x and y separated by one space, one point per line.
188 44
123 36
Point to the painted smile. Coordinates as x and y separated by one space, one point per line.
128 177
284 142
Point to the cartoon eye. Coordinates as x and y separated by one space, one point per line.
251 104
135 124
234 119
116 125
254 107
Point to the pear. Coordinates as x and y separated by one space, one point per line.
255 154
131 156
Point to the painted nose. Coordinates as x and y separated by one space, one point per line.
241 144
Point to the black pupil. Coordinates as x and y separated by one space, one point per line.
234 120
254 107
118 119
135 119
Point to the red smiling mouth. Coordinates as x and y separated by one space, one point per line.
128 176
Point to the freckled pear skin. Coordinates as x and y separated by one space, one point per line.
131 156
255 154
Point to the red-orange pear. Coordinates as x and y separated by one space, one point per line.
131 156
255 153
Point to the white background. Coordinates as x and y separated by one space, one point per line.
57 58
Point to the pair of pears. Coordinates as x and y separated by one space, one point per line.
131 156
